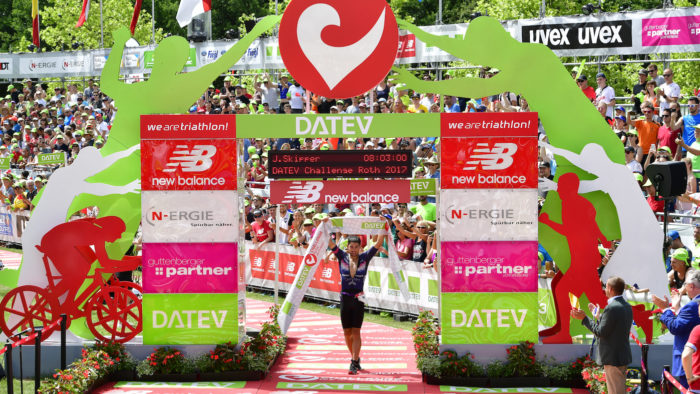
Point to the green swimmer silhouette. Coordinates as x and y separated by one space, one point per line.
118 163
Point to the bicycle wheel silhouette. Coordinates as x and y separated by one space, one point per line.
28 307
114 314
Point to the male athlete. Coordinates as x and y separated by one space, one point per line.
353 269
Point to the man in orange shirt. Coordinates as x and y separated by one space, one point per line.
648 129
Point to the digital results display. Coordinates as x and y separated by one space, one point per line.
295 164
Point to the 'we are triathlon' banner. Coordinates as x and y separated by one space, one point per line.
315 253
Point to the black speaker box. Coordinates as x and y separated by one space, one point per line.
669 177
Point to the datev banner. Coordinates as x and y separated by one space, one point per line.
190 268
483 318
340 192
488 215
500 266
190 216
489 163
190 319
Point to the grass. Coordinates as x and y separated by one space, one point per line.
315 307
28 386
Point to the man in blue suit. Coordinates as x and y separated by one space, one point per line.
680 321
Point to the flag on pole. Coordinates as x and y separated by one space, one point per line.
84 13
189 9
135 16
35 22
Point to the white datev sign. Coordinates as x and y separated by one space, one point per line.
190 216
488 215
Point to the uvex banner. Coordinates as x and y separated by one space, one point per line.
184 216
190 268
340 192
488 124
489 163
474 318
197 164
190 319
489 266
604 34
188 126
488 215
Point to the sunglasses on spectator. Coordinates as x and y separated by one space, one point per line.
667 75
646 112
421 227
257 216
665 116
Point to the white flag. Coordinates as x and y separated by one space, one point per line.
189 9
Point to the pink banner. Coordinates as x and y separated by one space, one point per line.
677 30
497 266
190 268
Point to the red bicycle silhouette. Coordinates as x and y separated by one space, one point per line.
111 308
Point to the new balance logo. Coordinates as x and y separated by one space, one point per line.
196 160
303 192
499 157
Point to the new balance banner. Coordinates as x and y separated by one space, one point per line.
489 266
340 192
190 268
481 318
489 163
190 319
488 215
488 124
189 216
315 253
196 164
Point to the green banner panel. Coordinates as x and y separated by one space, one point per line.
339 126
148 58
478 318
423 187
196 319
51 158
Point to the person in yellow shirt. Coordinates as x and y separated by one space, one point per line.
20 203
416 106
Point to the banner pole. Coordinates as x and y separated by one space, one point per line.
277 254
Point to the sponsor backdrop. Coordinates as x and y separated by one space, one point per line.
381 289
343 192
488 214
674 30
488 228
190 228
469 318
489 266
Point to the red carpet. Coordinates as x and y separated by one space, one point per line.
11 260
317 361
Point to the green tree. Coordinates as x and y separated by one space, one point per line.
15 21
58 31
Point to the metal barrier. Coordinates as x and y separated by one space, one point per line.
668 382
36 336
